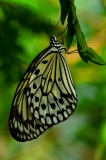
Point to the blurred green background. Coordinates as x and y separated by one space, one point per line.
24 32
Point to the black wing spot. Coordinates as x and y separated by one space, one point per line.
29 89
31 105
37 71
61 101
31 95
36 99
34 86
44 62
53 105
43 106
59 79
50 80
25 90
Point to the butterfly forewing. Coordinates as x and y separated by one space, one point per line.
45 96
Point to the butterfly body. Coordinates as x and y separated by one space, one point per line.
45 96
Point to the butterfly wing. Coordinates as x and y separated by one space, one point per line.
22 123
45 96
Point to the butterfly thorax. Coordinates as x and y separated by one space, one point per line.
58 45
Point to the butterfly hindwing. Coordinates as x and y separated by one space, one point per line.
44 97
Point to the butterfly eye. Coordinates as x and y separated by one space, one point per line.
45 96
52 38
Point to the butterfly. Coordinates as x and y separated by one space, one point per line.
45 96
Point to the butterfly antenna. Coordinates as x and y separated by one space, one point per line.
67 35
62 32
55 26
49 26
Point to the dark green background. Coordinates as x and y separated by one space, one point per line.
24 32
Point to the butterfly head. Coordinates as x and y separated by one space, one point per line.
58 45
54 42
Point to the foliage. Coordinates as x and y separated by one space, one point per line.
68 8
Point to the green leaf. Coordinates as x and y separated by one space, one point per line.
70 32
90 55
80 37
73 10
65 4
70 36
71 21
